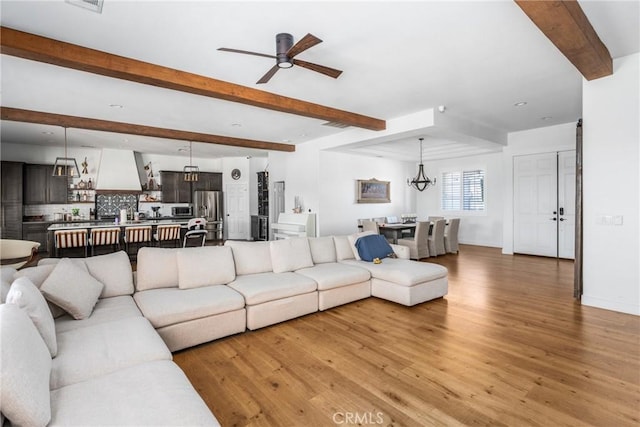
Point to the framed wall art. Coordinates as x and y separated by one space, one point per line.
373 191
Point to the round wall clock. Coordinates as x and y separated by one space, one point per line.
235 174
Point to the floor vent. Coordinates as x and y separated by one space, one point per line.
93 5
336 125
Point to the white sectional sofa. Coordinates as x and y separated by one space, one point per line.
115 331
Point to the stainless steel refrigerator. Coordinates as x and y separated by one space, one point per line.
209 205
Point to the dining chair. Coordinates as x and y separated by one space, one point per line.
434 218
436 238
68 239
418 244
105 237
370 225
138 235
168 233
196 230
451 236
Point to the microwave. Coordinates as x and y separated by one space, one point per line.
182 211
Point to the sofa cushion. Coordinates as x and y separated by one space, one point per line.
24 371
165 307
403 271
150 394
290 254
25 295
114 271
323 249
372 247
263 287
38 275
334 275
97 350
205 266
250 257
157 268
72 288
352 242
106 310
343 248
6 278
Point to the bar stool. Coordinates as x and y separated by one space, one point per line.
168 233
67 239
104 237
137 234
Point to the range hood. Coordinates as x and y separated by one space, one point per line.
120 170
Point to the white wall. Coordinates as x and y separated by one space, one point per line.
534 141
611 187
484 229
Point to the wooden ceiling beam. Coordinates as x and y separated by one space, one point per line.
43 118
566 25
50 51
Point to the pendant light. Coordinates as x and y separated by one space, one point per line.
66 166
190 172
421 182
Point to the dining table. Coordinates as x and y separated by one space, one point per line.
394 231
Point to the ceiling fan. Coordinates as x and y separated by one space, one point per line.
285 53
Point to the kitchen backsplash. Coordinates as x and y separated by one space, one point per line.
49 210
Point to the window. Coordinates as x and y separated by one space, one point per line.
463 191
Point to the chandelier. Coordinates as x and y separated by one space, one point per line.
190 172
66 166
421 182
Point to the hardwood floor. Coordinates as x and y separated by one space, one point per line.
508 346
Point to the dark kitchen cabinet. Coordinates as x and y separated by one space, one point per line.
36 232
41 188
174 188
208 181
11 197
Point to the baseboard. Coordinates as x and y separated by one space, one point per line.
610 305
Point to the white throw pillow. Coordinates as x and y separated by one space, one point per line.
343 248
290 254
323 249
352 241
72 288
114 271
157 268
37 275
250 257
205 266
6 278
25 295
25 370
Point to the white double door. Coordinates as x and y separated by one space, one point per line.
544 204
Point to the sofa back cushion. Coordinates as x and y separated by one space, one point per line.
114 270
250 257
323 249
205 266
343 248
290 254
6 278
25 369
157 268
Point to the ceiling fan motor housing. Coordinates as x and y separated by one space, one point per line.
284 42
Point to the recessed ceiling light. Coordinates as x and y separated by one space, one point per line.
546 118
47 133
116 106
182 150
520 104
236 125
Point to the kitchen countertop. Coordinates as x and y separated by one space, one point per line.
70 225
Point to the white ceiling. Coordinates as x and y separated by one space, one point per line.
478 58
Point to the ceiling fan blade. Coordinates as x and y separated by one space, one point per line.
269 74
331 72
246 52
303 44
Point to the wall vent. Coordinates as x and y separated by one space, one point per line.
336 125
93 5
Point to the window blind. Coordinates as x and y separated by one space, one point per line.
451 183
463 191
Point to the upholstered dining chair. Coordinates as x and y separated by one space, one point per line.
418 244
67 239
451 236
138 235
104 237
436 238
168 233
434 218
